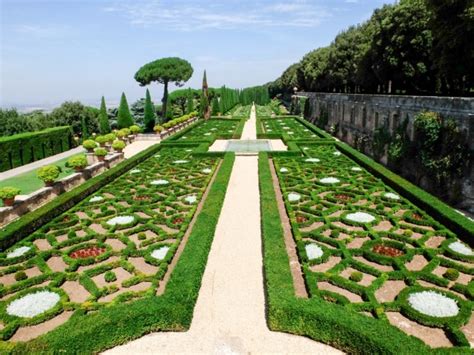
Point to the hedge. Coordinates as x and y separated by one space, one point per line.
24 148
316 318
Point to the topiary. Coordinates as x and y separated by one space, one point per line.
8 192
356 276
134 129
158 128
451 274
101 140
110 137
110 276
89 144
20 275
100 152
78 162
118 145
48 173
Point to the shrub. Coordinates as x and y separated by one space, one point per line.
124 117
110 137
451 274
141 236
100 152
49 173
110 276
89 144
118 145
120 134
356 276
134 129
158 128
20 275
8 192
77 162
101 140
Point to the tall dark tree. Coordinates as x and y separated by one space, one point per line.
149 117
104 124
164 71
190 101
124 117
215 106
205 107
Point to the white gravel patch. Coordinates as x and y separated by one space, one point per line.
360 217
461 248
329 180
180 161
356 168
160 182
283 170
206 171
293 196
391 196
120 220
160 253
312 160
313 251
190 199
18 252
433 304
96 199
33 304
135 171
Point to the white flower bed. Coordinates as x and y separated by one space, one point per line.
135 171
286 128
305 148
329 180
433 304
461 248
180 161
391 196
312 160
160 182
190 199
18 252
293 196
356 168
213 129
283 170
207 134
33 304
120 220
360 217
160 253
313 251
206 171
189 150
337 153
96 199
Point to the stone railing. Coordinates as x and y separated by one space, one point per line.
27 203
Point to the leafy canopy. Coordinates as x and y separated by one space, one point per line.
165 70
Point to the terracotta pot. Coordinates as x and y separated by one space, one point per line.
101 158
78 169
48 183
118 150
8 201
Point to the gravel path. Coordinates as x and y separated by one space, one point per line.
250 128
136 147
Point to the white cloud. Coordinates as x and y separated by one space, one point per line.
42 31
191 15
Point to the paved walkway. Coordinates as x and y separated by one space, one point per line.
229 317
136 147
250 128
39 163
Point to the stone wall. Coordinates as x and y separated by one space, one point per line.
358 115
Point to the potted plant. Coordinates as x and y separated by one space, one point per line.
134 129
78 162
118 145
110 137
100 153
89 144
49 174
7 194
158 129
101 140
121 134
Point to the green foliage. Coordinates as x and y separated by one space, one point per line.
149 115
89 144
158 128
20 275
110 137
110 276
134 129
118 145
77 161
124 117
258 94
104 124
190 101
451 274
215 106
84 131
100 139
82 119
12 122
100 152
9 192
356 276
48 173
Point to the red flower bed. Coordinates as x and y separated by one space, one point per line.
87 252
387 251
301 219
178 220
343 197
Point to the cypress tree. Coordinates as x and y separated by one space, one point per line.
149 116
190 101
104 125
205 109
215 106
124 117
85 134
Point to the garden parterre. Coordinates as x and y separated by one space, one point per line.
209 130
114 246
289 126
366 248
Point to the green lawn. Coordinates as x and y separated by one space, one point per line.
29 182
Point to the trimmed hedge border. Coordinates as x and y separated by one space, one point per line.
24 148
172 311
315 318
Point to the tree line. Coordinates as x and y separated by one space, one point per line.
417 47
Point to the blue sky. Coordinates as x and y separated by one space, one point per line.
57 50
